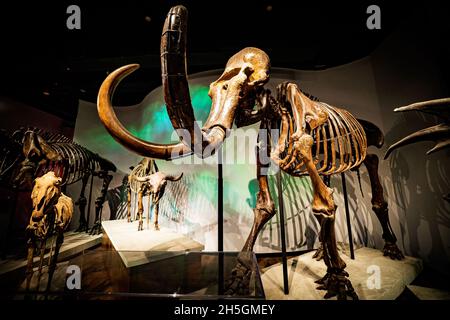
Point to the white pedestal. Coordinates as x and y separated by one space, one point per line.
140 247
304 270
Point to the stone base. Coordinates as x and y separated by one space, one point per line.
304 270
423 293
74 243
140 247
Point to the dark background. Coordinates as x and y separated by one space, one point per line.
45 65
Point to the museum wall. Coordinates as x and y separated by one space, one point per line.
14 114
409 67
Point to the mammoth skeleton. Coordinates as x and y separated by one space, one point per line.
51 216
315 139
145 180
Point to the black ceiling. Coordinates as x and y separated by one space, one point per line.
50 67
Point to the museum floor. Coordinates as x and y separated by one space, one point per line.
427 285
104 271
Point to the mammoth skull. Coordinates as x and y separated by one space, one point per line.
246 70
235 89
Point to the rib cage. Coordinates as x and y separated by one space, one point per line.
51 137
140 171
11 145
76 160
339 144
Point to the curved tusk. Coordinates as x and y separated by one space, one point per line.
120 133
173 178
426 105
440 145
174 76
435 133
176 87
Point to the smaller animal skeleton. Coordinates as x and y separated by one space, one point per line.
30 153
52 214
145 180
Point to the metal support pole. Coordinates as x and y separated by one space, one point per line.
220 220
347 214
88 214
283 233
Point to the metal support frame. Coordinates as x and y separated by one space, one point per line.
282 233
220 221
347 214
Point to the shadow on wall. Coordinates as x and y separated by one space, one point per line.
361 215
419 179
185 205
117 200
302 228
410 66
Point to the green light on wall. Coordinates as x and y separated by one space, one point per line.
156 122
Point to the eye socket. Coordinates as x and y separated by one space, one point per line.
229 74
225 86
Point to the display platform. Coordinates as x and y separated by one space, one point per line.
424 293
304 270
74 243
140 247
188 275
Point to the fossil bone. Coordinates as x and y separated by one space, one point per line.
51 216
145 180
439 134
43 151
